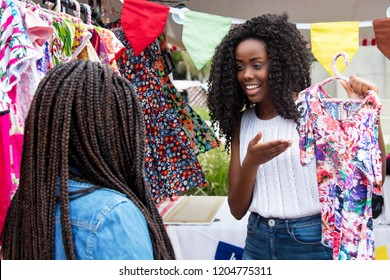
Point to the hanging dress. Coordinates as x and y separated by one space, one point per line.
201 136
342 136
171 164
16 54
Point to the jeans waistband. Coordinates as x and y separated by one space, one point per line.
296 222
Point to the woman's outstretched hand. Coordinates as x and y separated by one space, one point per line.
262 152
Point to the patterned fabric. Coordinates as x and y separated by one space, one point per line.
38 32
44 64
16 54
81 34
16 51
5 170
171 165
113 48
89 53
342 135
62 41
202 137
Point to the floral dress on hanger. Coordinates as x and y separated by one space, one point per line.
16 54
171 164
342 136
202 137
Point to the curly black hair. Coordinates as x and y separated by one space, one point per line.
289 71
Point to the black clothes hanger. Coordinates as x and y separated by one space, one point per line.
96 12
65 3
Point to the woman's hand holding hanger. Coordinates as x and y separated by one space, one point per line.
358 87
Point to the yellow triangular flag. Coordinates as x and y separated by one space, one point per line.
381 253
330 38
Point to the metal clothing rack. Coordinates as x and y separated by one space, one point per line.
96 10
65 3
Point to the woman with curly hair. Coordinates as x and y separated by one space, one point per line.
257 72
82 194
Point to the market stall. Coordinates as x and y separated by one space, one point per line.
175 133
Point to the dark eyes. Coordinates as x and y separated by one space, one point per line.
256 66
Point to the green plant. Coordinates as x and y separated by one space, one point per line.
203 112
215 166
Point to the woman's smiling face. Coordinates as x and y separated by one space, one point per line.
252 69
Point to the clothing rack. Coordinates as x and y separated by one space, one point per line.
67 4
94 10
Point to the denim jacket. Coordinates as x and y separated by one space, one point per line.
106 225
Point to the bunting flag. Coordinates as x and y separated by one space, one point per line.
330 38
201 35
143 22
381 253
382 35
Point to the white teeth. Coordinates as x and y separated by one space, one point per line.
252 86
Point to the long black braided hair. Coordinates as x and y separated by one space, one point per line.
85 116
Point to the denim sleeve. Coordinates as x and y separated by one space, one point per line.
122 235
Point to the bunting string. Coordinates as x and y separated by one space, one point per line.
202 32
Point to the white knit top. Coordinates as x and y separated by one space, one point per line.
283 187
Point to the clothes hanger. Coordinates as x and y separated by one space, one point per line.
88 13
28 2
57 6
66 4
77 8
41 10
97 12
336 72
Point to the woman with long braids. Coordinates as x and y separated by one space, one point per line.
82 193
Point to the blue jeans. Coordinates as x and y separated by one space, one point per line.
285 239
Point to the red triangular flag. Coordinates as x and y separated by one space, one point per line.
382 35
143 22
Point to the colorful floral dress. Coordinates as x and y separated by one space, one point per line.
16 54
202 137
342 136
39 32
171 164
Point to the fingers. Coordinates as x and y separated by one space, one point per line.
261 152
269 150
348 89
361 86
256 139
274 151
276 144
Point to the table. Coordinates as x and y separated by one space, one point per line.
200 242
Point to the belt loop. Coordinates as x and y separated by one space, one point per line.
287 225
258 217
